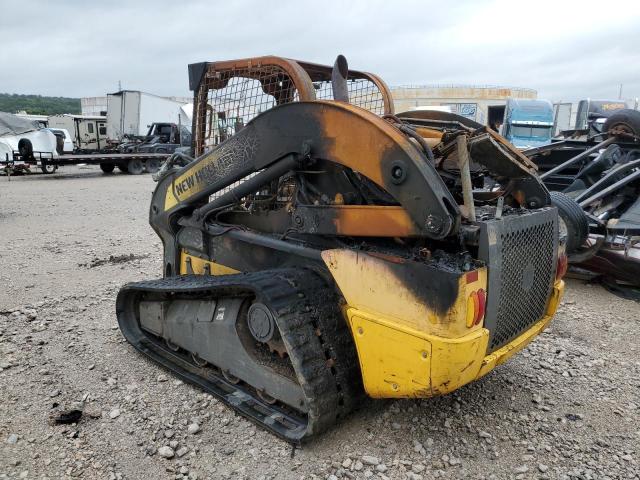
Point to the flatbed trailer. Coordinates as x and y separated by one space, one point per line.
134 163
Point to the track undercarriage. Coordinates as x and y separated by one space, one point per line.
271 344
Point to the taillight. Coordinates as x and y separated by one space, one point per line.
476 307
472 307
563 264
482 300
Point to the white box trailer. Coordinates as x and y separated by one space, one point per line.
130 112
562 116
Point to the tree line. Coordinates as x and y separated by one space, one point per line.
38 105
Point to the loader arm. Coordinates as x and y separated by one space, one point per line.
331 131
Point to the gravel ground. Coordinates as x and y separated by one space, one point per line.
566 407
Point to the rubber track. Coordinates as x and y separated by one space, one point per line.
307 312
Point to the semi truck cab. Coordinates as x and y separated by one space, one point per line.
528 123
593 113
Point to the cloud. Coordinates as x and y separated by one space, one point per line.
565 50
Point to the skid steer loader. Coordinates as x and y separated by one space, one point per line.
320 247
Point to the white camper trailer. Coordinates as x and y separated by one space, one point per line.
88 133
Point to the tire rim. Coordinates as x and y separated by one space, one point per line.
135 167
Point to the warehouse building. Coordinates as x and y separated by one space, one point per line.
482 103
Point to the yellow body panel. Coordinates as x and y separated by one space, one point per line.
392 355
170 200
199 266
372 284
391 372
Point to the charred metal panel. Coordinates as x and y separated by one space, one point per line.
196 74
331 131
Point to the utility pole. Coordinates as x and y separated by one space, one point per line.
120 86
620 93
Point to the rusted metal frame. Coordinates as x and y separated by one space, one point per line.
512 153
497 157
522 159
322 73
298 75
253 184
387 99
328 220
301 81
465 176
349 136
411 132
440 118
262 240
319 72
367 144
545 148
426 132
200 119
354 221
444 125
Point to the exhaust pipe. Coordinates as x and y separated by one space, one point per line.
339 79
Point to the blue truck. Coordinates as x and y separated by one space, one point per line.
527 123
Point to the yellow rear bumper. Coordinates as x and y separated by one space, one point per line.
397 361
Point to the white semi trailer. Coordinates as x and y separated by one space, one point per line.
130 113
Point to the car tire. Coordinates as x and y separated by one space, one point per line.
574 219
123 168
59 145
107 167
152 165
48 168
135 166
25 148
627 121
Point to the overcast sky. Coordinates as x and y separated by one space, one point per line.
566 50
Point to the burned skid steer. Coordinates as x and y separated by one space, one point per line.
320 247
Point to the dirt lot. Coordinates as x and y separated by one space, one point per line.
566 407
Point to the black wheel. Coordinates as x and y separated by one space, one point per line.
135 166
574 223
48 168
107 167
152 165
123 168
624 121
60 144
25 148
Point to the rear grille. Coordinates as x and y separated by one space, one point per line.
521 273
525 253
